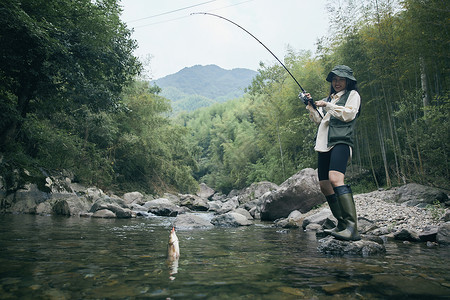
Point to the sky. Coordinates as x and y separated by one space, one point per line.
170 38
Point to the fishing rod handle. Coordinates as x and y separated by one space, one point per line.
307 100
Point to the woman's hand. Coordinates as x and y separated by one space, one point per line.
321 103
308 95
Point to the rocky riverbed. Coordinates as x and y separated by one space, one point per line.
410 213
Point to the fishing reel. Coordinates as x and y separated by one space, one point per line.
306 100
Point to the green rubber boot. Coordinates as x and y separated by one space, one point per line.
336 210
348 210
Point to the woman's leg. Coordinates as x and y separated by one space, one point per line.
339 156
327 189
338 165
323 167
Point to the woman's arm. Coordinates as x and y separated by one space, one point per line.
314 114
349 111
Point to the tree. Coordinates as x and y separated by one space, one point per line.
58 55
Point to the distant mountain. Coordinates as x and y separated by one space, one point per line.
201 86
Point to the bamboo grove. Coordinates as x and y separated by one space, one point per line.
399 53
72 101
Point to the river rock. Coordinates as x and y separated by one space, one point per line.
25 200
192 221
94 193
104 213
429 234
229 205
114 204
443 234
300 192
205 191
292 221
255 191
243 212
58 184
407 234
215 205
133 198
413 194
194 202
363 247
231 219
219 197
70 206
162 207
446 216
318 218
365 225
175 199
102 202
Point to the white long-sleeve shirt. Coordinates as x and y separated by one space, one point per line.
344 113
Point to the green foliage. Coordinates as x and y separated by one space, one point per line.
68 102
265 135
150 153
436 209
60 55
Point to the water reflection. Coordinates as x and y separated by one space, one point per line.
73 258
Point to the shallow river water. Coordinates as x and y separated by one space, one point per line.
43 257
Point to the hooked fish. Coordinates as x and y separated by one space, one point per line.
173 248
173 254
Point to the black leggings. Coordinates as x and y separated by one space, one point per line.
334 160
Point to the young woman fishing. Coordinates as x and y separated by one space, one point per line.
334 144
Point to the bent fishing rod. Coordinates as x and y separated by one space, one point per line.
302 94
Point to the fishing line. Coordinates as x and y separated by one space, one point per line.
302 95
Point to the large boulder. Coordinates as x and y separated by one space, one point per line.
192 221
215 205
231 219
194 202
25 200
133 198
229 205
115 205
163 207
443 234
256 190
300 192
70 205
243 212
413 194
205 191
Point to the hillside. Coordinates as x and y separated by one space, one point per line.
201 86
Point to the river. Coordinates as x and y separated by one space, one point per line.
44 257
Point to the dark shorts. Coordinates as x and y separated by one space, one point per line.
334 160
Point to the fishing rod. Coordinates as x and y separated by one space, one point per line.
303 93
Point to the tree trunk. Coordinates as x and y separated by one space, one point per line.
423 81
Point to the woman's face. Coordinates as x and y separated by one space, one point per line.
339 83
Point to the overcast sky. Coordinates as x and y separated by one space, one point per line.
166 30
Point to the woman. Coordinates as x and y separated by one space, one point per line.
336 116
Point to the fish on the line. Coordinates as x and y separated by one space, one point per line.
173 248
173 254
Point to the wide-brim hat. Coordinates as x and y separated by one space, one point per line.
341 71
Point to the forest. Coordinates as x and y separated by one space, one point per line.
72 100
